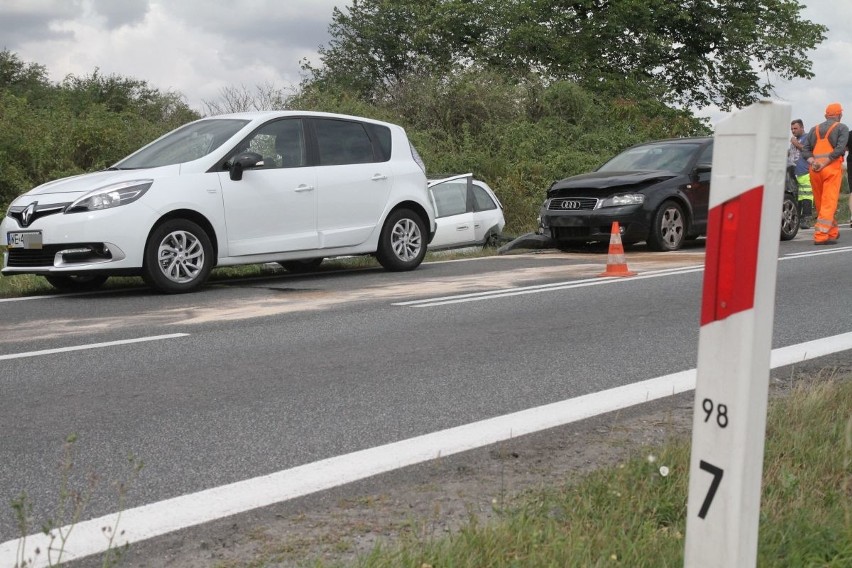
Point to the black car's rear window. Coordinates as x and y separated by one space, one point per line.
666 157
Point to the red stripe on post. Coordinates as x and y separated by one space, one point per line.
730 266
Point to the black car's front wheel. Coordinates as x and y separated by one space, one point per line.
789 218
668 229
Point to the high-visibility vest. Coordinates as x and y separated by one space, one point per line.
805 189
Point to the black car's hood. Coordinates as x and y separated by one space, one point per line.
626 181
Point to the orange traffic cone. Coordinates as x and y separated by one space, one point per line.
615 263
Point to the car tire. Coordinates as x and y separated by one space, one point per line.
76 282
669 228
178 257
402 243
789 218
301 266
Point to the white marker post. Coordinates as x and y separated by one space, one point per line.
729 423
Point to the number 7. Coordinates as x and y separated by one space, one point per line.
714 486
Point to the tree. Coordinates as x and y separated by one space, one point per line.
688 52
124 94
22 79
377 43
82 124
240 99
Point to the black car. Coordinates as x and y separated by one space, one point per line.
657 191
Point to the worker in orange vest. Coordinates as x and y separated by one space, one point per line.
824 149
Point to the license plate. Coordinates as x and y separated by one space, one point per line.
26 240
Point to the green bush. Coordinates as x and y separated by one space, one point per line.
517 134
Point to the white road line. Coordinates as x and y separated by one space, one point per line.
597 281
89 346
46 297
819 252
167 516
523 290
70 294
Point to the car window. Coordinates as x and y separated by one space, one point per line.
281 143
343 142
450 198
382 136
185 144
706 156
668 157
482 201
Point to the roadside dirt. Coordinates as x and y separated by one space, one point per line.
435 498
267 302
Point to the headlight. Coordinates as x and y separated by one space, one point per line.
625 199
111 196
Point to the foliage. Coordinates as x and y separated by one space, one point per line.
82 124
524 93
693 52
518 134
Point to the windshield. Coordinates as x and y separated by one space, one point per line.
185 144
667 157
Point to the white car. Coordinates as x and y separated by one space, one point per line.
467 212
285 186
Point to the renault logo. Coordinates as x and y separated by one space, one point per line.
567 204
27 214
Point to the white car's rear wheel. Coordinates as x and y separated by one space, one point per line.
402 244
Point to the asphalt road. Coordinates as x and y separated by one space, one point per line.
282 371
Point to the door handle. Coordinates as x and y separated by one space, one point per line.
379 177
303 188
462 228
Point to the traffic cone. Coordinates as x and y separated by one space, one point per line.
616 265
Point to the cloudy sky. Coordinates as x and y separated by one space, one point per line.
199 47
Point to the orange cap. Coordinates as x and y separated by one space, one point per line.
834 109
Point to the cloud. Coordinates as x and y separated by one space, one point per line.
196 47
272 22
32 20
123 13
199 47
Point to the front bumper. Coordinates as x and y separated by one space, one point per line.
596 224
108 242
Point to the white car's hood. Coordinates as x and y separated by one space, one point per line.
70 188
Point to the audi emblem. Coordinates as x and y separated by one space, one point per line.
570 204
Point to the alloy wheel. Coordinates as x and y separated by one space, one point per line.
180 256
672 227
406 239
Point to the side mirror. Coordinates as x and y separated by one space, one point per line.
242 161
699 170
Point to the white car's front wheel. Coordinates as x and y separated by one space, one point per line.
178 257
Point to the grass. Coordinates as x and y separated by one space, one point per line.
633 515
75 495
